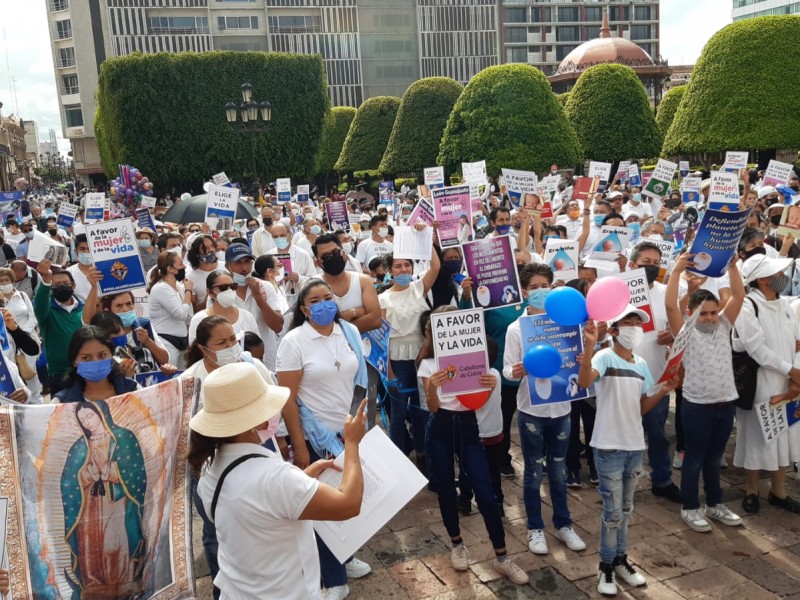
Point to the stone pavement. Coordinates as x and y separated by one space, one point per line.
410 557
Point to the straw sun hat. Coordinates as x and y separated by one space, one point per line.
236 399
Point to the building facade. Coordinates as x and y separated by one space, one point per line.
744 9
12 138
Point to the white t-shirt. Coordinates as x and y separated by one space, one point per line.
643 209
618 425
369 248
259 506
655 354
709 369
246 322
198 278
325 389
490 415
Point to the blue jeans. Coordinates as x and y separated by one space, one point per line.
619 471
455 433
542 437
706 430
405 406
654 423
210 544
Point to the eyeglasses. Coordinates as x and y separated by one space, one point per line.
224 287
194 231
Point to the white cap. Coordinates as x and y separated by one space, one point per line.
765 190
631 310
761 265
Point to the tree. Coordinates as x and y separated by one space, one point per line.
562 99
334 131
668 107
611 114
418 128
164 114
509 116
736 98
369 132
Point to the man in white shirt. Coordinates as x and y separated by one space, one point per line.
377 245
572 220
635 205
262 241
80 270
302 263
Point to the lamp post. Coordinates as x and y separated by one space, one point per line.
249 117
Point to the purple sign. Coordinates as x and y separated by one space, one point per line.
337 215
490 264
450 204
423 211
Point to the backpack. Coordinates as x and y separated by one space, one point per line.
745 372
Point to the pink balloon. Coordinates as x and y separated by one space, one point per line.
607 297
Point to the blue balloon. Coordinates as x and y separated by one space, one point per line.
566 306
542 361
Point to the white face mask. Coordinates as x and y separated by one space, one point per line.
281 274
383 232
630 337
176 250
228 356
7 289
226 298
221 256
347 247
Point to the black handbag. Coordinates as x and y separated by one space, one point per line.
745 373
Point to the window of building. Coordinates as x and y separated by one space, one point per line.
295 24
240 1
647 48
641 13
63 29
383 46
56 5
517 55
623 13
592 32
517 34
66 57
69 84
394 71
387 21
594 13
640 32
162 25
562 51
568 34
568 13
237 22
541 15
74 115
516 15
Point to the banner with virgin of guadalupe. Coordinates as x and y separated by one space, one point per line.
98 503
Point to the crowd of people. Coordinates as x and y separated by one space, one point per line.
269 318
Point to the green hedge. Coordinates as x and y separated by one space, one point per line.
563 99
740 95
667 108
609 110
369 133
509 116
164 114
418 128
334 131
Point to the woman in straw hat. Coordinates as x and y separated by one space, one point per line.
260 504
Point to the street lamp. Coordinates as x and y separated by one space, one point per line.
255 117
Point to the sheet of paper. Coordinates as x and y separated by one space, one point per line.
42 247
412 244
390 482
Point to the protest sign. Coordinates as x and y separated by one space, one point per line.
683 168
792 412
690 189
583 189
412 244
723 194
634 176
490 263
715 242
735 161
772 420
43 247
376 347
790 221
459 346
601 171
116 254
221 207
475 199
303 193
562 257
148 202
338 217
423 211
659 183
568 340
94 205
623 170
386 192
144 218
283 188
66 214
777 173
612 242
221 179
474 172
434 177
151 378
640 294
519 184
678 349
7 386
449 205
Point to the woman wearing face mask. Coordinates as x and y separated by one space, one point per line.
311 231
320 360
203 260
447 290
95 374
222 292
146 238
171 306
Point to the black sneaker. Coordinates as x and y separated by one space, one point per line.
750 503
670 492
786 503
507 471
464 506
593 478
573 480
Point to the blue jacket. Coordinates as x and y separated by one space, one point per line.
74 393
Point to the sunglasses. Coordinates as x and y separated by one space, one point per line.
224 287
194 231
324 257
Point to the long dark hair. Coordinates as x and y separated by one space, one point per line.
165 261
213 276
203 334
444 290
194 250
79 338
202 450
426 350
299 318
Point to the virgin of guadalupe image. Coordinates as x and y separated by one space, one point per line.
103 487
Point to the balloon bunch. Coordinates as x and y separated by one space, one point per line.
130 186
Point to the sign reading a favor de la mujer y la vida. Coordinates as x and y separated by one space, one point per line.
659 183
116 254
459 344
221 207
724 192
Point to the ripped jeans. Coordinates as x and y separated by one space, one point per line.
619 472
540 438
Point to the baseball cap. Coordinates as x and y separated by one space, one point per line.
236 252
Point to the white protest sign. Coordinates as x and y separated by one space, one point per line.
661 179
735 161
474 172
612 242
772 420
303 192
562 258
600 169
412 244
683 168
66 214
723 194
518 185
148 202
634 176
678 349
42 247
115 254
459 345
283 188
220 179
94 207
777 173
434 177
622 170
690 189
221 207
640 294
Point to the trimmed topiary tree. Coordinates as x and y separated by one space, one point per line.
334 131
609 110
728 106
368 135
418 128
562 99
668 107
509 116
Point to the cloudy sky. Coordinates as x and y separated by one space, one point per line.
686 25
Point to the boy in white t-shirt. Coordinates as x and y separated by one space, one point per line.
621 381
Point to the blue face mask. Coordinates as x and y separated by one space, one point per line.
598 220
634 227
281 243
127 318
551 237
95 370
637 197
403 279
323 313
536 298
239 279
119 341
502 229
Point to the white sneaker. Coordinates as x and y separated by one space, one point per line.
459 557
723 514
571 539
340 592
677 462
695 519
627 573
536 541
606 580
511 570
723 462
357 569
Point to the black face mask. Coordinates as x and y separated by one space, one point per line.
754 252
776 219
334 264
62 293
673 203
651 272
180 275
267 221
53 232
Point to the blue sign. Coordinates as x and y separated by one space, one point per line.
145 218
154 378
116 254
716 240
7 386
376 348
